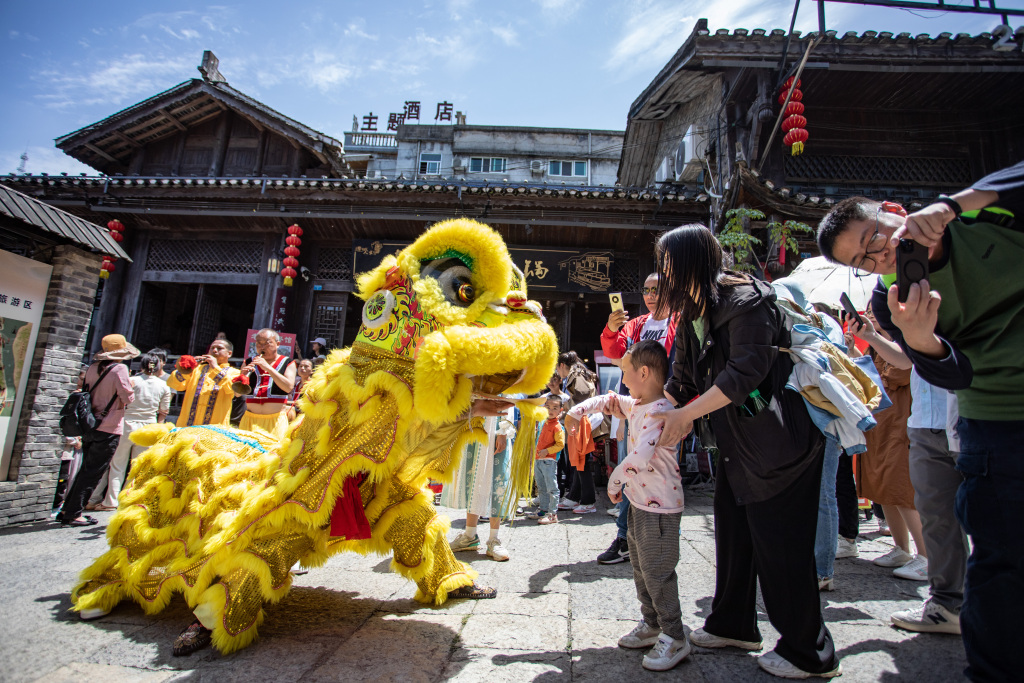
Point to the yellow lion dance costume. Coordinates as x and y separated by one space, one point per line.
221 515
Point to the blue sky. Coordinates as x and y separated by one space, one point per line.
563 63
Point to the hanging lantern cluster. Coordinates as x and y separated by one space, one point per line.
291 252
794 125
116 229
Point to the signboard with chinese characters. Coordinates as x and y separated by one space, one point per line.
285 348
23 287
560 270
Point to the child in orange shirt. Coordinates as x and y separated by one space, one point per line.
549 444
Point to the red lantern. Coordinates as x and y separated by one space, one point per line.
796 139
116 236
288 274
115 225
797 96
794 121
794 108
293 241
291 262
291 251
295 230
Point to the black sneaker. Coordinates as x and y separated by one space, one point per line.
617 552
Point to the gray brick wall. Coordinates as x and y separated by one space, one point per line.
35 462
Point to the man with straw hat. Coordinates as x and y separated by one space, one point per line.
110 390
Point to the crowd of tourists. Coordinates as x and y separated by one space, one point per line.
927 424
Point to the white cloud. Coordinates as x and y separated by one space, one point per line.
115 82
559 10
357 29
456 8
656 29
507 34
42 160
12 34
327 72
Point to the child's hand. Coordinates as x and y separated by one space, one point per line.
614 495
613 407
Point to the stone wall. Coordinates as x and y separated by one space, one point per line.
35 461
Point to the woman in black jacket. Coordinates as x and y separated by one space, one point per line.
728 367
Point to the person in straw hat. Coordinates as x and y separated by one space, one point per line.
111 390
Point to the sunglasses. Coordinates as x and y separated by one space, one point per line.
648 290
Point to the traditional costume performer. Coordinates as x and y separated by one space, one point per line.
266 391
207 395
480 483
221 515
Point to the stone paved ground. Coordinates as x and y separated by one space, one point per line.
557 618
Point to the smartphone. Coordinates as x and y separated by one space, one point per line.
850 309
911 266
616 299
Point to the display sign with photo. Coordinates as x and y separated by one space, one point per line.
23 287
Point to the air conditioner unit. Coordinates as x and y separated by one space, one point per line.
664 172
373 174
460 165
537 167
689 154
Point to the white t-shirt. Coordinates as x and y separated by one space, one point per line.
152 395
654 330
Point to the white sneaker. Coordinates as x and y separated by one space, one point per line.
613 512
929 618
666 653
584 509
915 570
550 518
496 550
826 583
566 504
883 527
777 665
847 548
704 639
897 557
96 612
465 542
642 635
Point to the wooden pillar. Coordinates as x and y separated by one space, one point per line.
263 315
179 153
131 290
261 153
220 145
135 166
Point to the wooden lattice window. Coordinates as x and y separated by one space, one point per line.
335 263
626 275
839 168
205 256
329 318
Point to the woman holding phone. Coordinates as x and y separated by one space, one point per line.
730 376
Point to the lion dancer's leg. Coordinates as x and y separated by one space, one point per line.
230 611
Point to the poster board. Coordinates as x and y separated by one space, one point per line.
285 348
23 287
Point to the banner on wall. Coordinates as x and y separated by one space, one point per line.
560 270
23 287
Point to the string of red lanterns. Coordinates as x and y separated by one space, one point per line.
291 261
116 229
795 124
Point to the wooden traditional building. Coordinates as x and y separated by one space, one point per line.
891 116
207 180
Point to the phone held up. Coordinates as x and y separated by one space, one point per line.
616 300
851 310
911 266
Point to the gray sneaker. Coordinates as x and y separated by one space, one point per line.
702 638
666 653
642 635
464 542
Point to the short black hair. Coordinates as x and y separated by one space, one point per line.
553 397
838 220
650 353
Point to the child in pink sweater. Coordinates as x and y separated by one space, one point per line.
649 477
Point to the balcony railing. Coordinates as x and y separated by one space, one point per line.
377 140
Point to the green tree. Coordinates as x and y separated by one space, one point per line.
737 242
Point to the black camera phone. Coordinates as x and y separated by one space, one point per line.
911 266
851 310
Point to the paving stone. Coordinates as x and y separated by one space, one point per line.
508 666
111 673
516 632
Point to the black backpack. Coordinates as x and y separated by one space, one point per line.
76 417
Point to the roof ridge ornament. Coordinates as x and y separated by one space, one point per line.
209 68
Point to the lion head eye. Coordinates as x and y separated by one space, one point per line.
466 293
454 277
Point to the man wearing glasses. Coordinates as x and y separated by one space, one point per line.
618 335
272 378
963 328
207 389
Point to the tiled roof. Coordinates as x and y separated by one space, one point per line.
50 219
692 193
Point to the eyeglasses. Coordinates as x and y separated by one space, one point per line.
648 290
876 245
262 342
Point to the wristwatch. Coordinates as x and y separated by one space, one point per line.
951 203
